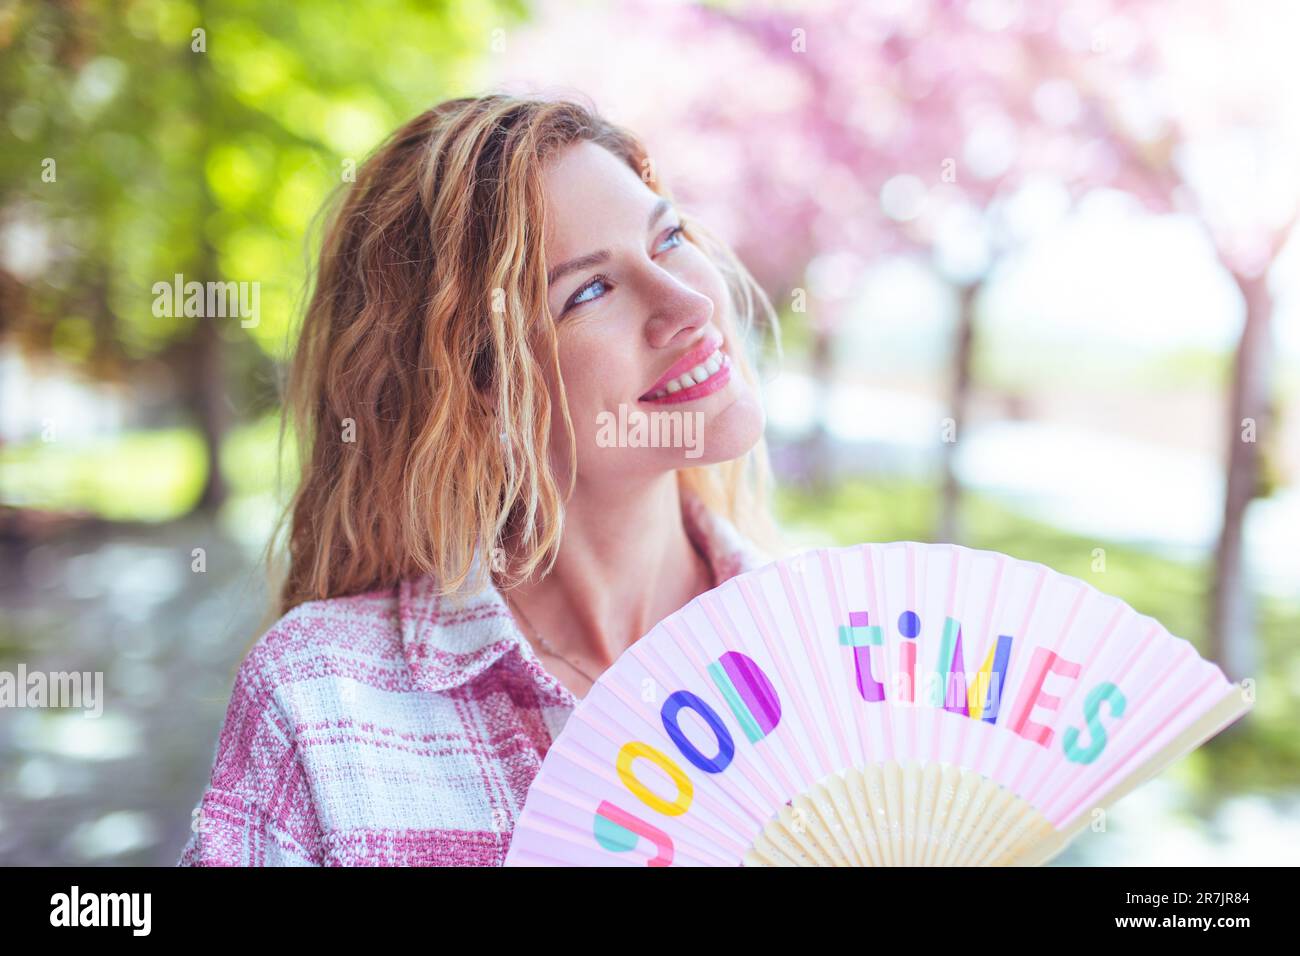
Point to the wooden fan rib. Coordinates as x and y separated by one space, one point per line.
924 810
1133 761
1046 779
1144 658
1230 707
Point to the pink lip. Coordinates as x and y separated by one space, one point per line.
707 387
688 361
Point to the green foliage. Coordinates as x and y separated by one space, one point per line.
208 162
135 476
151 476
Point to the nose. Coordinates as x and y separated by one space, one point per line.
677 312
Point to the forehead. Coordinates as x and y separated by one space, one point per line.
588 189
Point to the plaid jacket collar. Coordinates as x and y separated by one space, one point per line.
448 641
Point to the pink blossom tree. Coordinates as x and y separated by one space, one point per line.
847 131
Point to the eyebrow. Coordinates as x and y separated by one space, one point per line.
595 258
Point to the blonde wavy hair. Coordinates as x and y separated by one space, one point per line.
426 335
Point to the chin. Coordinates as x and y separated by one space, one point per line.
732 432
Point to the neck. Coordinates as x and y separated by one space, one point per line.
625 563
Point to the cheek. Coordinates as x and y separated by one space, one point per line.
595 372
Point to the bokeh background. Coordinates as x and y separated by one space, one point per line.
1061 233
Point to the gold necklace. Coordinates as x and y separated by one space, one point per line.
545 643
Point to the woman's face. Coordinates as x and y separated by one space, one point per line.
645 328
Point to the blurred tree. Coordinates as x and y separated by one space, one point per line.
156 138
867 130
1217 141
826 136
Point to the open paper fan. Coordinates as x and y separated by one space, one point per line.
874 705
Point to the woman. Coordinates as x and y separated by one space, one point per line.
468 551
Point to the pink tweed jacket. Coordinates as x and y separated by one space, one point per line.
394 728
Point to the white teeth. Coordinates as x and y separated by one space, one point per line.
701 373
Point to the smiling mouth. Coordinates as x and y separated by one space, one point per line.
700 380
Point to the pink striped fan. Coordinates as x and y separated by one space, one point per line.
874 705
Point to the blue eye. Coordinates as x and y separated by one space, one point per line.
578 297
675 237
677 233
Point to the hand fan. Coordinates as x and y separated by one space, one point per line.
874 705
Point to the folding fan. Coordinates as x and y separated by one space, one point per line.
874 705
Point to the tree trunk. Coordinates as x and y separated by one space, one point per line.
818 453
1232 625
949 529
206 398
206 388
